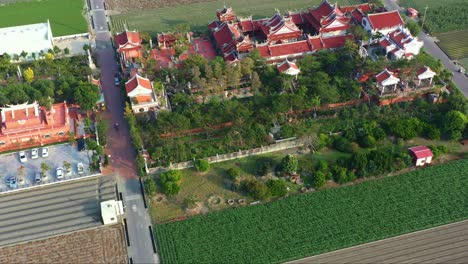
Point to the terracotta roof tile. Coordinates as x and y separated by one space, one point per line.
421 152
385 20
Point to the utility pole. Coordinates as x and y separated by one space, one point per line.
424 20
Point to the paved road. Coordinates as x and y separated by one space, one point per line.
123 155
54 209
459 78
443 244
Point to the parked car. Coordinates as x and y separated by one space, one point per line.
34 153
117 81
12 182
45 152
59 172
37 177
81 144
80 168
22 156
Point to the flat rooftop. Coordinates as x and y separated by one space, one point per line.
105 244
442 244
53 210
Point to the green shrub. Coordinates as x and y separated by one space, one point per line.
277 187
202 165
150 186
170 181
319 180
255 189
289 164
367 141
233 173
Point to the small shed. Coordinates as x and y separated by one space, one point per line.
110 211
412 12
421 155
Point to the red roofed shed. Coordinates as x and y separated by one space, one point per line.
421 155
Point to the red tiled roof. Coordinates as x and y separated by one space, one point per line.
384 75
421 152
136 81
214 24
296 18
323 10
336 41
127 37
362 7
358 15
222 35
226 14
385 20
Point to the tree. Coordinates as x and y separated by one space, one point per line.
150 186
102 128
66 51
454 124
57 50
28 75
233 173
367 141
202 165
413 27
49 57
86 95
319 180
86 47
66 165
289 164
255 83
44 168
24 54
170 181
277 187
191 201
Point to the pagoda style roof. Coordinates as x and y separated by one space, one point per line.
127 39
425 73
138 85
288 67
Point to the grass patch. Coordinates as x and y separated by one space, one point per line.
65 16
310 224
454 43
200 14
464 62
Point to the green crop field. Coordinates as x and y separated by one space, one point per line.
65 16
454 43
442 16
310 224
200 14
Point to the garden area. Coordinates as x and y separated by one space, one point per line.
66 16
318 222
48 80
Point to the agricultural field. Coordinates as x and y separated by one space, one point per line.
318 222
454 44
198 15
65 16
442 16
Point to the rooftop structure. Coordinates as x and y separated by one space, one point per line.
32 39
289 68
110 211
386 80
141 94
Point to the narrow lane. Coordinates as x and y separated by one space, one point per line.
120 147
431 47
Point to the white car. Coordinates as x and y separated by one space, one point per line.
59 173
34 153
80 168
45 152
22 156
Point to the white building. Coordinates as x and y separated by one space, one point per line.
110 211
32 38
401 44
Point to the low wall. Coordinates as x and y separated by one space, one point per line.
285 144
71 36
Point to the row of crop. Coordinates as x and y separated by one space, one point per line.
310 224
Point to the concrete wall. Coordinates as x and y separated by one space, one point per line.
280 145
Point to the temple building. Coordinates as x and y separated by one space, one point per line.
27 125
128 45
384 22
142 95
285 36
400 44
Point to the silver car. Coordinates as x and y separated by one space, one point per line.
22 156
34 153
59 173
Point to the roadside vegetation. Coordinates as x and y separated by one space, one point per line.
314 223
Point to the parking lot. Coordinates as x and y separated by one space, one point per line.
25 171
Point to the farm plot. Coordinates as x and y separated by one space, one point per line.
65 16
310 224
442 16
198 15
454 44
